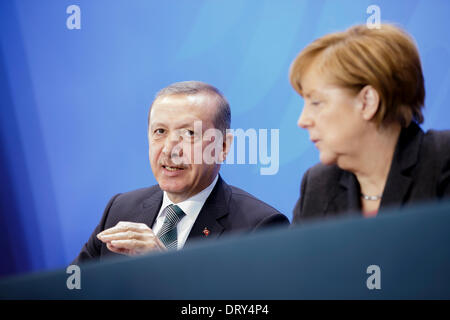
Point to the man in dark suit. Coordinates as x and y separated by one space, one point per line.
187 142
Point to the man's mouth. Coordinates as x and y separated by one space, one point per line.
172 169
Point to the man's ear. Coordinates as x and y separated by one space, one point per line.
227 142
370 100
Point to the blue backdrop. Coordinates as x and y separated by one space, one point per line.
74 102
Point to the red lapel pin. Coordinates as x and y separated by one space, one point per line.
206 232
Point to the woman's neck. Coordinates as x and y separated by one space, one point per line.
372 164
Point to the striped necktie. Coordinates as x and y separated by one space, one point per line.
168 232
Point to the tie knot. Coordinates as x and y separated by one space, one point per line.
173 214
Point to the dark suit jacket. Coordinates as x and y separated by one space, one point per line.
420 172
227 209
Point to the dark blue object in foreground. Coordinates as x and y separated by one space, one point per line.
318 261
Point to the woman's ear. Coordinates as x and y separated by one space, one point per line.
370 100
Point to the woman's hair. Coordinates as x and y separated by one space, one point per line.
386 59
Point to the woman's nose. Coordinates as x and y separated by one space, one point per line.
304 120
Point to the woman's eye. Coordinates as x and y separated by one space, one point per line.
315 103
189 133
159 131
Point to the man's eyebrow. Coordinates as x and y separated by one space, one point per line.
156 124
188 124
185 124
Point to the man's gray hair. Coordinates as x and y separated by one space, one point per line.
223 115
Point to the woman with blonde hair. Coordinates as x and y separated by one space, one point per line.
364 92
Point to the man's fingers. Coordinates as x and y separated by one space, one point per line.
127 235
130 238
117 250
133 244
125 226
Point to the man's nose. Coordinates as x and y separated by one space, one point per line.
173 145
304 120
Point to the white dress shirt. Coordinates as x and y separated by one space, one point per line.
191 208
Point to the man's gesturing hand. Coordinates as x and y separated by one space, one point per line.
131 238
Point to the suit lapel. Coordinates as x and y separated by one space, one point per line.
207 225
346 195
405 158
353 191
151 206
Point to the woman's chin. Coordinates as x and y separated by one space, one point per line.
327 158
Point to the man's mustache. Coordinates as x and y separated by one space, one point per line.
174 161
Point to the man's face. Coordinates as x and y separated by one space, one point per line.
173 142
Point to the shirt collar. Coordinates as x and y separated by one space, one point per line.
194 204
